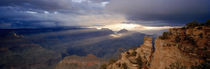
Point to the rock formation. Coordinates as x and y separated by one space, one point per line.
135 58
180 48
76 62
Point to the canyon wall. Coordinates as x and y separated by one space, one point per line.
180 48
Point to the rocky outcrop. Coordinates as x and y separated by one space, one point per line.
180 48
167 53
184 46
135 58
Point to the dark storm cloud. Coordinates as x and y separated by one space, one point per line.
38 4
99 0
23 13
18 17
42 13
162 10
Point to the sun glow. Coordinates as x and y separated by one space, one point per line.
117 27
131 27
115 35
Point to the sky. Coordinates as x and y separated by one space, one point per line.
53 13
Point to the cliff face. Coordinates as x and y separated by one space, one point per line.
186 47
135 58
180 48
167 53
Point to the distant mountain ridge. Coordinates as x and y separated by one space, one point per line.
43 48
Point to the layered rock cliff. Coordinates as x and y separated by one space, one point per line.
180 48
135 58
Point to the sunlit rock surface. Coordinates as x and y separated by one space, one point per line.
135 58
180 48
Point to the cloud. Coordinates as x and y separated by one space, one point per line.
161 10
39 4
42 13
99 19
99 1
19 18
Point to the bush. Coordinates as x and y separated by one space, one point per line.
177 39
192 24
111 61
208 22
139 62
165 35
176 65
201 35
103 66
124 66
190 39
133 53
204 65
195 24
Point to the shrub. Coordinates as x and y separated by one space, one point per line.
192 24
190 39
124 66
139 62
165 35
199 27
176 65
177 39
208 22
133 53
201 35
204 65
111 61
103 66
195 24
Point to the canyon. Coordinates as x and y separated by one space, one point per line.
179 48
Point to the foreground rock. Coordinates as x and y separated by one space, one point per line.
135 58
180 48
